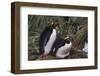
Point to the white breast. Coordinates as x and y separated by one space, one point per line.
64 51
85 47
50 42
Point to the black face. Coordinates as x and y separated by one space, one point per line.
67 41
54 25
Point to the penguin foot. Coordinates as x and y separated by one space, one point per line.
43 57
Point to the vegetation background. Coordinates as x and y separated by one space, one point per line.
75 27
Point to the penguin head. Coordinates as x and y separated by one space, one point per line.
67 40
54 24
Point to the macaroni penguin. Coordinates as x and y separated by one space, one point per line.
47 39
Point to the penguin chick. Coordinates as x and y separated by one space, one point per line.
62 47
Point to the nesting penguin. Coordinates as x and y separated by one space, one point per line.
62 47
47 39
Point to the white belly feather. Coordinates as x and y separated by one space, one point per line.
64 51
50 42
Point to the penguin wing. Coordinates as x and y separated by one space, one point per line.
44 37
58 43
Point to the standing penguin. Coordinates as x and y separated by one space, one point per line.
62 47
47 39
